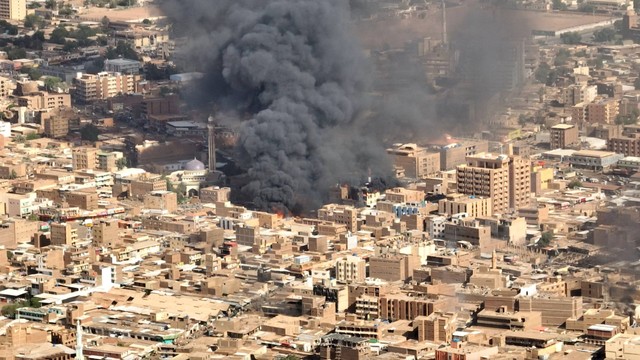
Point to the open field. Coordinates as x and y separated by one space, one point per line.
130 14
516 23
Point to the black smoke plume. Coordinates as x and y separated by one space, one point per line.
294 69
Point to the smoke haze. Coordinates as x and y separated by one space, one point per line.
295 70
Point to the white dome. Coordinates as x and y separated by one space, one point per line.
194 165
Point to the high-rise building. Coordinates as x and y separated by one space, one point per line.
84 158
563 135
603 111
350 269
578 93
505 179
13 9
63 234
211 141
455 154
415 161
104 85
106 233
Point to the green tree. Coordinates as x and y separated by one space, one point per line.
625 119
121 163
559 5
604 35
16 53
587 8
545 239
562 56
33 21
89 132
34 74
59 35
542 72
13 175
51 4
51 83
571 38
575 183
147 22
32 136
105 22
122 49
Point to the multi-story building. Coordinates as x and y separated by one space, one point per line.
106 233
108 161
83 200
55 126
146 184
393 267
563 135
6 85
215 194
578 93
602 111
415 161
161 200
594 159
339 214
456 203
42 100
455 154
123 66
84 158
350 269
63 234
104 85
504 179
627 145
13 9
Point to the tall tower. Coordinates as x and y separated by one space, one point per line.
211 141
444 24
79 348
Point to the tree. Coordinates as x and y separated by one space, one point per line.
121 163
626 119
542 72
34 74
67 10
16 53
122 49
51 4
51 83
545 239
33 21
572 38
562 57
89 132
559 5
587 8
59 35
575 183
32 136
604 35
13 175
636 83
105 22
147 22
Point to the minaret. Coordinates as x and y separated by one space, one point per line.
444 24
79 348
211 141
494 260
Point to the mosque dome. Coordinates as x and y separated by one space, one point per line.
194 165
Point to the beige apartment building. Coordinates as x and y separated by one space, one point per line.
475 206
13 9
42 100
104 85
340 214
627 145
350 269
504 179
603 111
414 161
84 158
563 135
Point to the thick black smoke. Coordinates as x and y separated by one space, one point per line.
295 70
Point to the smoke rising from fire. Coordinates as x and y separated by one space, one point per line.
296 71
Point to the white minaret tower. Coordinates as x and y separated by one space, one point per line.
444 24
79 348
211 141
